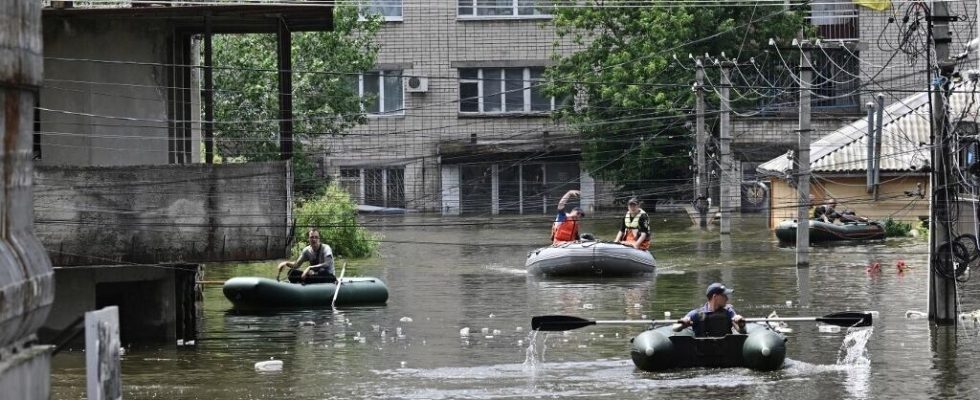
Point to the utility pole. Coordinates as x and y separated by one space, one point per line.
724 141
942 262
803 162
701 180
876 178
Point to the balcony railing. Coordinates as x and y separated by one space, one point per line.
835 19
835 82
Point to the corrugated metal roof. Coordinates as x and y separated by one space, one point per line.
905 137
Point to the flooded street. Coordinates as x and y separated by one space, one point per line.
457 324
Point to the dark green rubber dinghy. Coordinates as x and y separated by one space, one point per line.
258 293
662 349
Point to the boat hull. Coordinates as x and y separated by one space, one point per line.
823 232
263 293
590 258
662 349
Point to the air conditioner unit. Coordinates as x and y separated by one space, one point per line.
416 84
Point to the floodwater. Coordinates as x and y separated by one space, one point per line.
442 283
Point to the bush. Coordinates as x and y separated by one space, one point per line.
895 228
335 215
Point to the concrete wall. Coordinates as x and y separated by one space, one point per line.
105 94
144 294
433 41
163 213
850 193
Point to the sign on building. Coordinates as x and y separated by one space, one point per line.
102 354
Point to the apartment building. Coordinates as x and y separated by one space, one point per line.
461 124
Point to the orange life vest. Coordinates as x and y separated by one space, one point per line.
631 240
565 231
632 224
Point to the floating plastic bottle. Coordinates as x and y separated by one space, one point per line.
269 366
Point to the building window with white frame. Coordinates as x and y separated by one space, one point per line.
390 10
503 9
503 90
382 92
380 186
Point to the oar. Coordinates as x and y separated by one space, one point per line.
556 323
336 290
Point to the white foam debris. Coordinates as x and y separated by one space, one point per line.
375 327
180 342
781 329
307 323
464 332
828 328
637 305
789 303
520 329
406 319
520 343
484 330
601 335
403 364
588 306
489 336
496 331
491 315
644 316
269 366
666 315
913 314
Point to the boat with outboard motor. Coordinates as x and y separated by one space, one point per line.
589 257
660 349
263 293
826 232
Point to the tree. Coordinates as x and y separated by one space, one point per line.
325 102
633 98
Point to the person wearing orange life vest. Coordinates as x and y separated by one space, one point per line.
635 229
565 228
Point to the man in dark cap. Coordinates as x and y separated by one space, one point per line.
716 317
635 229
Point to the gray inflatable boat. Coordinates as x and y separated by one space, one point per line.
587 258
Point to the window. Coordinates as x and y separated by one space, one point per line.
382 92
391 10
503 8
503 90
382 187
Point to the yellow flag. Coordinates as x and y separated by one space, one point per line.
877 5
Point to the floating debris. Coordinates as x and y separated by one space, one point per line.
307 323
491 315
520 329
488 336
666 315
789 303
269 366
588 306
828 328
464 332
406 319
913 314
496 331
637 305
485 330
403 364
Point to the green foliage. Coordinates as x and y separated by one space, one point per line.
335 215
895 228
636 98
325 102
923 229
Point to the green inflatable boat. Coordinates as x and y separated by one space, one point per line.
259 293
823 232
661 349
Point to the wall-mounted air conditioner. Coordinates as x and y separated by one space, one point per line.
416 84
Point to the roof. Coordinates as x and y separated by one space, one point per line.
904 137
224 18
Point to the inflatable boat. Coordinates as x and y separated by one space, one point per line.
661 349
589 258
824 232
261 293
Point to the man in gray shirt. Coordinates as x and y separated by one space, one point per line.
320 257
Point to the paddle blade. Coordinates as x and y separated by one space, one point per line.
847 319
557 323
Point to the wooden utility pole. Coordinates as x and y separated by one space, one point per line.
701 178
208 92
942 267
724 150
284 49
802 162
870 162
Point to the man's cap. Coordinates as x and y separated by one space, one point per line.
717 288
579 209
633 200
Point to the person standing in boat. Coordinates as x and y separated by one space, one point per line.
565 228
320 257
715 318
635 229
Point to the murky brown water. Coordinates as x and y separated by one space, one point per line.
443 283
